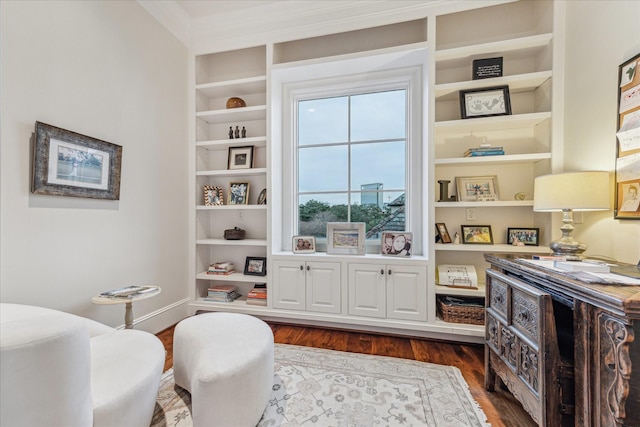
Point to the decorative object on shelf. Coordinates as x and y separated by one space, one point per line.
476 234
566 192
457 276
262 198
476 188
467 310
244 132
235 102
238 193
255 266
221 268
66 163
237 132
627 198
230 132
304 244
240 157
526 236
213 195
456 239
485 102
521 196
444 191
234 233
443 233
346 238
484 151
487 68
396 243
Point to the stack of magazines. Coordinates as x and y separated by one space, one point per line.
224 267
258 295
222 293
484 151
128 292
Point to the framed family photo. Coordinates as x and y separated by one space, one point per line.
238 193
477 234
346 238
396 243
485 102
528 236
443 233
213 195
304 244
66 163
477 188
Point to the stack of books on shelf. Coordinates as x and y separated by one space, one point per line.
484 151
224 268
222 293
258 295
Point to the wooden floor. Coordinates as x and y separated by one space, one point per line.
501 408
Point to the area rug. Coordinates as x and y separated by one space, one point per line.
323 388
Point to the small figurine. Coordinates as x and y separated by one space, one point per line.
230 132
244 132
237 132
456 239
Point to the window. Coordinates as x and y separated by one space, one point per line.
347 142
352 161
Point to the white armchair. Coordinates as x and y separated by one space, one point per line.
58 369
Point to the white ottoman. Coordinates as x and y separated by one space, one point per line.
225 360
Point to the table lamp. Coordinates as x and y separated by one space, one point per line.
568 192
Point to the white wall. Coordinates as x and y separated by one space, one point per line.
599 36
108 70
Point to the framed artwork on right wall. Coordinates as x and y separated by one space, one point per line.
627 201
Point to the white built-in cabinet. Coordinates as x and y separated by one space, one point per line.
374 292
392 291
307 285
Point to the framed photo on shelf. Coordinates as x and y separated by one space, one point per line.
255 266
213 195
346 238
477 188
528 236
241 157
304 244
443 233
627 192
66 163
477 234
262 198
485 102
238 193
396 243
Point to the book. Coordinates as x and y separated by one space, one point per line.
257 295
485 153
582 266
549 257
262 302
224 273
483 149
221 266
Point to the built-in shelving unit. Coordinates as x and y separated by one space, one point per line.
355 285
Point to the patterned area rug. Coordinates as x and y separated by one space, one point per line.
325 388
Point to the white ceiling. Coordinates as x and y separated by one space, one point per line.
204 8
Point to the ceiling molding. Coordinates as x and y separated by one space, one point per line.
172 16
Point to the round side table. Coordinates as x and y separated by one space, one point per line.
111 297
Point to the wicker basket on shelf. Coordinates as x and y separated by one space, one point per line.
461 310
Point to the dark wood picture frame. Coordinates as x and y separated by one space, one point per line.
255 266
627 191
240 157
485 102
528 236
443 233
66 163
476 234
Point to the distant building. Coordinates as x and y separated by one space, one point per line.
371 194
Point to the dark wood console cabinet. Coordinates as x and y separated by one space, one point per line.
565 349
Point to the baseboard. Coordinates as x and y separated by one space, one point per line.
162 318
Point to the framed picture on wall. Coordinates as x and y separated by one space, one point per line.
627 190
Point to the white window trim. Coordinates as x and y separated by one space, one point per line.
403 68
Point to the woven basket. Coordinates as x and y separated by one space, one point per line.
460 313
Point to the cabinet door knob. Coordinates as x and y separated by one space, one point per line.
301 268
382 271
308 268
389 272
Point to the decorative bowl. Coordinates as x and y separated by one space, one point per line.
236 102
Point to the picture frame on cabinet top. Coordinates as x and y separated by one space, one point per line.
66 163
240 157
304 244
238 193
396 243
485 102
347 238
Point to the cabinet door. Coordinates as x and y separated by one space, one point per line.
367 290
288 288
406 292
323 287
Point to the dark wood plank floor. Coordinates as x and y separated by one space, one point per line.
501 408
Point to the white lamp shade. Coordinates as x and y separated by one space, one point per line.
579 191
